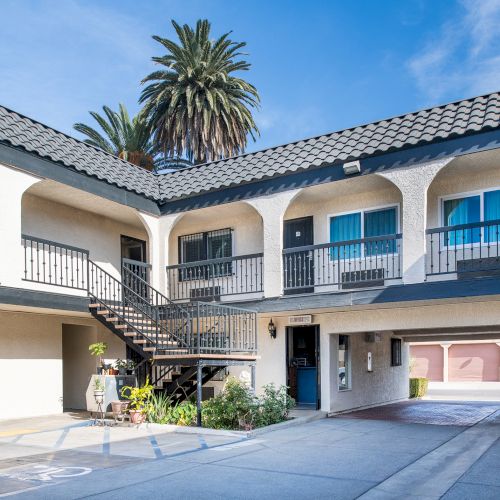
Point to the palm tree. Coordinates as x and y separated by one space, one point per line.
195 106
129 139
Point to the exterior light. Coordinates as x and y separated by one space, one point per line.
352 167
271 328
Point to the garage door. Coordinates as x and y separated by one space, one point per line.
427 361
474 362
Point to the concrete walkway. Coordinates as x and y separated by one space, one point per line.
463 391
347 457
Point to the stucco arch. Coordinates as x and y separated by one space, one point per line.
465 174
68 216
241 217
350 195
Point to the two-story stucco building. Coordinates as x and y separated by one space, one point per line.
313 263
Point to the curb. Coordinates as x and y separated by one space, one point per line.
180 429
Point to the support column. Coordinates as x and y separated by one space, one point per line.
252 377
13 184
199 392
272 210
446 348
413 182
158 229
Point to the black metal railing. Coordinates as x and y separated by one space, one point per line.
212 279
222 329
464 248
347 264
136 269
53 263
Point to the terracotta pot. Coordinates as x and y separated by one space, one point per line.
136 416
113 371
119 407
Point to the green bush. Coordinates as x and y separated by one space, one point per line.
162 411
237 407
418 387
233 405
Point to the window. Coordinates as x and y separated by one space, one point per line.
206 246
380 222
482 207
396 352
344 363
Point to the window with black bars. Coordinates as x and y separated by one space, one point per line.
396 352
210 245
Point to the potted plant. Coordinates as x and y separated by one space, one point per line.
140 401
121 366
98 391
97 350
130 367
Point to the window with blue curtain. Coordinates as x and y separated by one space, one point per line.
344 228
462 211
380 223
492 212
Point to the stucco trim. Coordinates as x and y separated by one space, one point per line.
45 300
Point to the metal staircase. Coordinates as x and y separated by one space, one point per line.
178 346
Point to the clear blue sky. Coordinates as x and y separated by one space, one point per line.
319 65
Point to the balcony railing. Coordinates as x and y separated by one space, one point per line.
53 263
464 249
213 279
349 264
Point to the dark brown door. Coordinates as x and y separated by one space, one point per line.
135 268
299 265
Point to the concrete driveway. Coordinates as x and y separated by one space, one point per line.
351 456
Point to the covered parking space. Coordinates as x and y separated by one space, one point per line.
461 363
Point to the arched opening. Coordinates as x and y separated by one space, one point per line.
463 218
347 233
216 254
64 227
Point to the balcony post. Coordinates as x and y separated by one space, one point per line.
13 184
413 182
158 229
272 210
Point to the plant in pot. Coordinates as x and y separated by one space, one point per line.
121 366
140 401
98 349
98 391
130 367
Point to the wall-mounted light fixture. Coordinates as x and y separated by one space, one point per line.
271 328
352 167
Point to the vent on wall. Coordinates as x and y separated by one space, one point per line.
373 337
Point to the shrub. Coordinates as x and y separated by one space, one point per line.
139 397
162 411
233 405
418 387
237 407
275 404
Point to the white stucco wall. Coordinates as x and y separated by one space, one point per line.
31 361
63 224
385 383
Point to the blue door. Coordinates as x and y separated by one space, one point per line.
303 365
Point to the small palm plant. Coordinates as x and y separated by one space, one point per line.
196 107
98 349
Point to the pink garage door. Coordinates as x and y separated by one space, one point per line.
474 362
427 361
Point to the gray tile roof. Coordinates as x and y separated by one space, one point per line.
440 123
24 133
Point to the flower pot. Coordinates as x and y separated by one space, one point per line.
99 397
136 416
122 371
119 407
112 371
